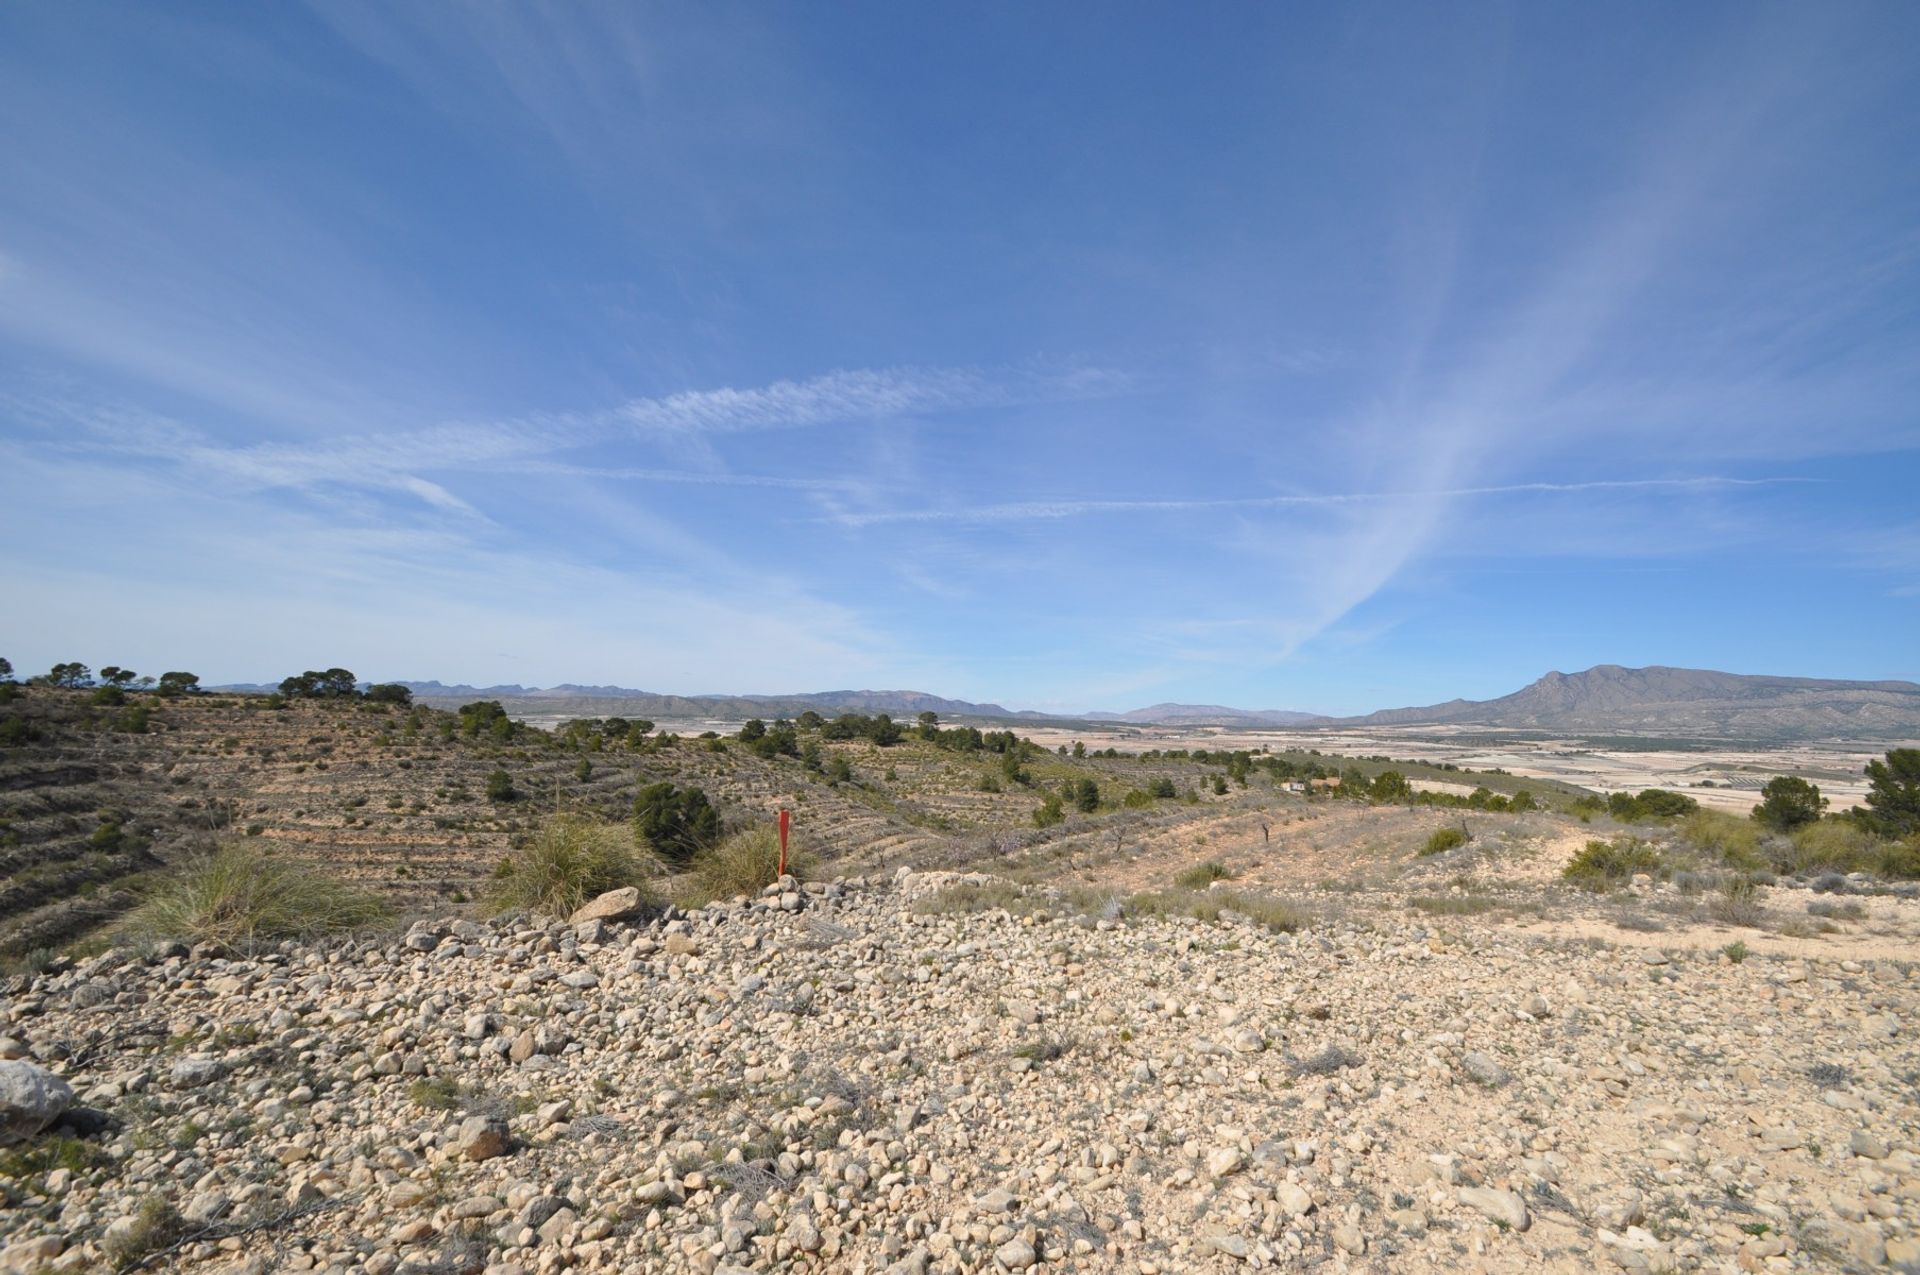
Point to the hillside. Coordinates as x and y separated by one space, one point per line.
1676 701
397 797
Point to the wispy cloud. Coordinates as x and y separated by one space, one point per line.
396 460
1025 511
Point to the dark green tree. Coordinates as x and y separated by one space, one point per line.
1893 793
390 693
177 683
676 822
753 728
500 787
1086 796
1390 786
886 732
114 675
929 725
75 676
1787 802
6 669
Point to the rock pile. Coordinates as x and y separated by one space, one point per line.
851 1077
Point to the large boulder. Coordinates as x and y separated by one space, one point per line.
31 1098
614 905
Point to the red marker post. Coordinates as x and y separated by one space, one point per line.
786 821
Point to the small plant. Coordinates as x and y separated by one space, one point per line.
241 896
1738 903
1202 875
437 1093
155 1227
500 786
1445 839
572 859
1735 951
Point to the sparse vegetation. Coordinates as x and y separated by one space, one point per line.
1445 839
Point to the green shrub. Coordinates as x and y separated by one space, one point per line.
1137 799
1836 845
242 896
1901 859
500 785
1732 841
1608 863
745 863
1201 875
572 859
1445 839
677 822
1048 813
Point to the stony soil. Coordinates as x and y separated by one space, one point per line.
860 1077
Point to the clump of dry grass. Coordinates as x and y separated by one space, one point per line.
1202 875
745 863
573 858
240 896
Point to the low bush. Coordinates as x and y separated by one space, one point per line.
241 896
1726 839
571 859
969 897
1738 903
1604 864
1202 875
1445 839
1901 859
1837 909
1831 845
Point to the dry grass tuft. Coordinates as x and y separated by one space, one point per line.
240 896
572 859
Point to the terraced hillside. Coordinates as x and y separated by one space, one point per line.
93 797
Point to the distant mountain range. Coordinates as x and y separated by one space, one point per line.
1206 715
607 700
1678 701
1606 699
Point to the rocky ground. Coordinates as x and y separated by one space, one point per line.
873 1075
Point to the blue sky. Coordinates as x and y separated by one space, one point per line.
1073 356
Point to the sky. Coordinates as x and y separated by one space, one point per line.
1069 356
